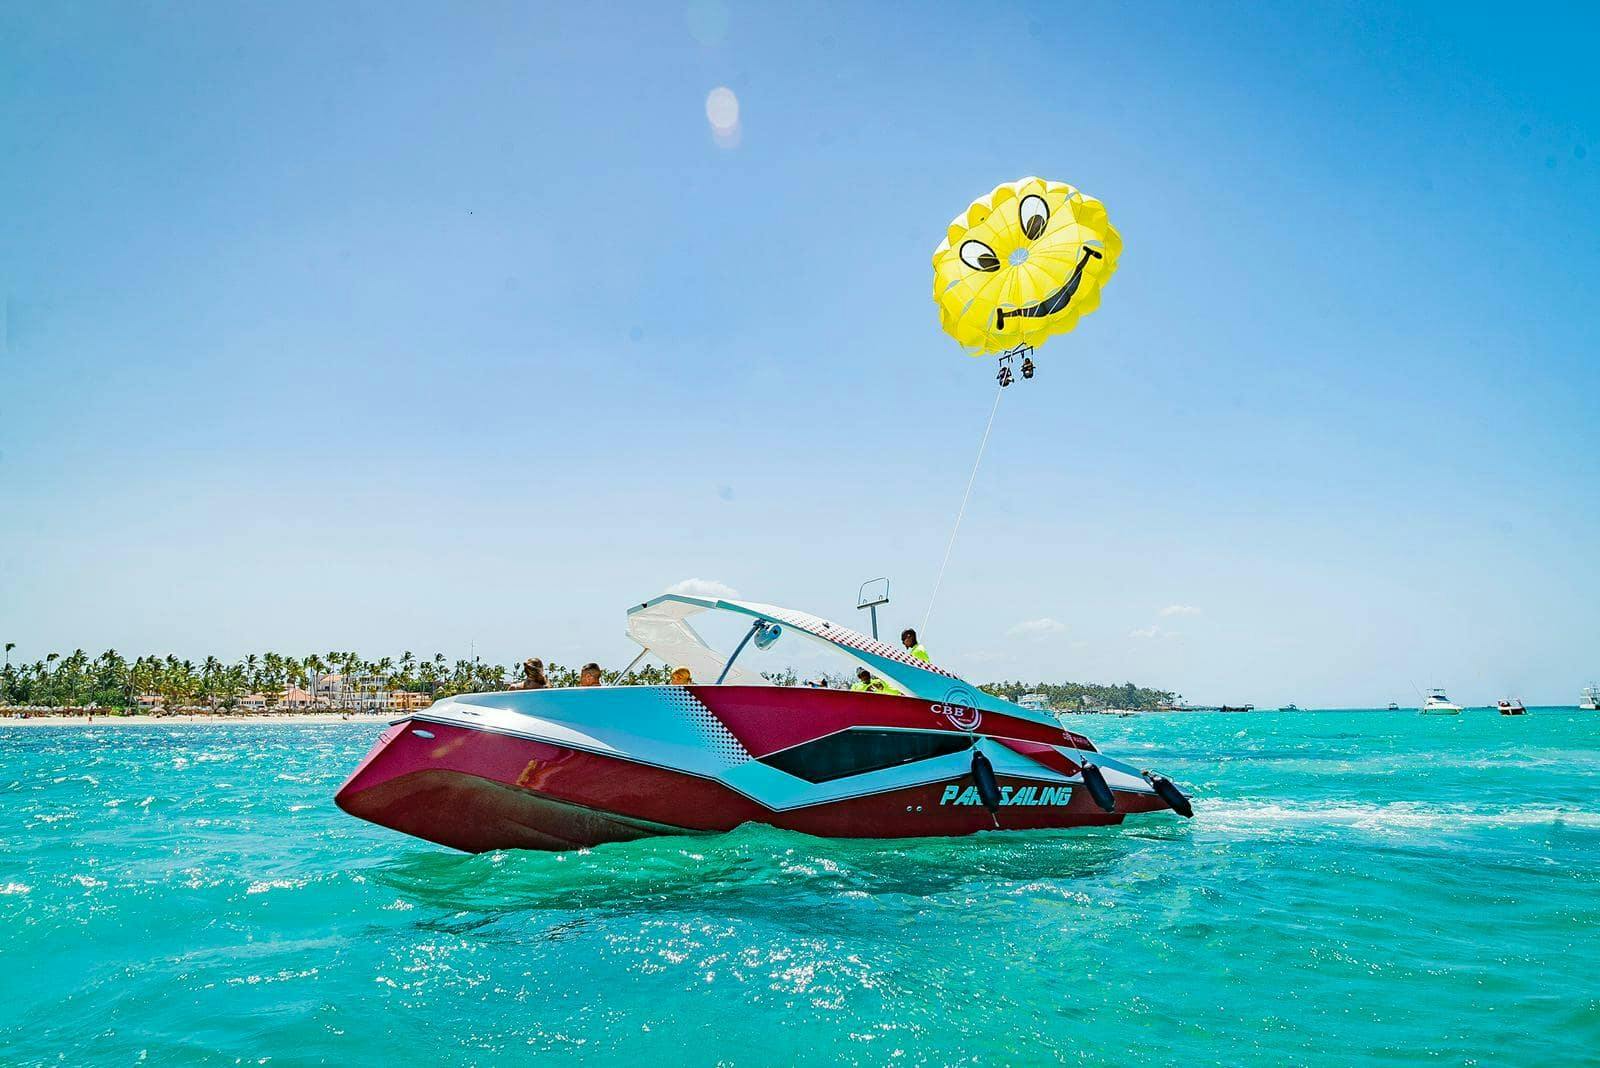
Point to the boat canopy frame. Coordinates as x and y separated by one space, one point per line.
661 627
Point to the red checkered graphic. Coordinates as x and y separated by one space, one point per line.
833 632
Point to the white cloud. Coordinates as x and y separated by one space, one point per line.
1036 628
1180 610
698 587
1152 631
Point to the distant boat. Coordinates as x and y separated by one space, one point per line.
1393 707
1511 706
1590 699
1437 704
1290 708
1236 708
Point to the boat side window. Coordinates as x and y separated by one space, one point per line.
855 751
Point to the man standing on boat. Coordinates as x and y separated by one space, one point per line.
908 638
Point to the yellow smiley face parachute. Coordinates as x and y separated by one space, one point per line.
1023 264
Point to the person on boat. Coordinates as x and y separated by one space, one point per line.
866 682
533 676
589 674
908 638
681 676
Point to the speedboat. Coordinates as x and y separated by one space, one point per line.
559 769
1589 700
1511 706
1393 707
1437 704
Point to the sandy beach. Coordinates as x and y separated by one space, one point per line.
79 719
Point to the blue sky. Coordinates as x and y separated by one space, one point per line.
418 326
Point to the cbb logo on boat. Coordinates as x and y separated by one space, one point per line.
960 707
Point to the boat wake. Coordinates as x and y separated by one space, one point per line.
1268 817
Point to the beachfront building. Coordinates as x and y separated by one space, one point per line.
352 693
409 700
297 698
329 689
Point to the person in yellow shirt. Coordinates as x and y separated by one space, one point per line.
908 638
866 682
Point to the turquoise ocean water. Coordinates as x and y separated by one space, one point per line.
1355 887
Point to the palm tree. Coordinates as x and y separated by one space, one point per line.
72 676
111 680
271 670
49 681
294 670
233 684
9 646
316 667
210 678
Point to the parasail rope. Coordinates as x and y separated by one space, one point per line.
951 544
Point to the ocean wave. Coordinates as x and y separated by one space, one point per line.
1247 816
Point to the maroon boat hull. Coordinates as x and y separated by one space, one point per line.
477 790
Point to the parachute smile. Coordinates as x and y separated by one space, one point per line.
1055 301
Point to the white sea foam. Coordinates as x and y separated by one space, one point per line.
1265 816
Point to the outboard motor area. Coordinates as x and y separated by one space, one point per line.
1169 793
1095 780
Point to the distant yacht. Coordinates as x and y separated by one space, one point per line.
1393 707
1437 704
1290 708
1511 706
1589 701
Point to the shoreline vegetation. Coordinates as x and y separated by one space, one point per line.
338 685
98 718
1086 697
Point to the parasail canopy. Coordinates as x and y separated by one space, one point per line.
1023 264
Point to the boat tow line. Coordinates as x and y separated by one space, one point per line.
951 544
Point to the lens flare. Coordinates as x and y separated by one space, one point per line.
722 111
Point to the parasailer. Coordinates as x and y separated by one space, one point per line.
1020 265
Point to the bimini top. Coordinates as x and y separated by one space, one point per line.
661 626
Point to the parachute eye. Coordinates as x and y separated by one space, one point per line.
979 257
1033 213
